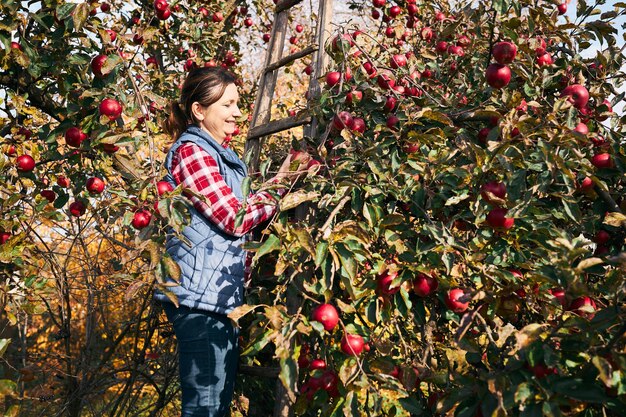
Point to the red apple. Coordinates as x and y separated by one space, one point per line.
498 75
385 82
497 219
602 237
141 219
299 28
392 122
4 236
63 181
544 59
483 134
452 300
343 120
77 208
394 11
110 108
384 281
424 285
390 103
354 97
584 307
352 344
586 184
48 195
397 61
74 137
333 78
504 52
540 370
602 160
463 41
379 3
577 94
160 5
25 163
358 125
559 294
562 8
327 315
96 65
164 14
426 33
581 128
110 147
95 185
266 37
318 364
112 34
456 50
441 47
496 188
164 187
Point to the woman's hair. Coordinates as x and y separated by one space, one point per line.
205 85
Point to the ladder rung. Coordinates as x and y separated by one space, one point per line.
275 126
285 4
290 58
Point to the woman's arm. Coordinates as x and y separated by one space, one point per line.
198 171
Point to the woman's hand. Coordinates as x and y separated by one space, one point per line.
293 166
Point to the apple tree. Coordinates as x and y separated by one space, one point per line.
458 245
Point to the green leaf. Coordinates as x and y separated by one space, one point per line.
347 260
64 10
321 251
110 63
80 15
171 267
271 244
245 186
604 369
579 389
293 200
7 387
305 239
4 344
288 375
412 405
523 393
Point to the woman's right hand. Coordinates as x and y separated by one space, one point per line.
299 159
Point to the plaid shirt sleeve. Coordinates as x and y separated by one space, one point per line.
197 171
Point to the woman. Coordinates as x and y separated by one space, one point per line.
212 260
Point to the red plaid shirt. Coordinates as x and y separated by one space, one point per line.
197 171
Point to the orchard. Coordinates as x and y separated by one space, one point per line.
457 247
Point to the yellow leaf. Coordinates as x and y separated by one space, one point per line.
588 263
530 333
241 311
615 219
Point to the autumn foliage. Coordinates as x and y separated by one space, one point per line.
456 248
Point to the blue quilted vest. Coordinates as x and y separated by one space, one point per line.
213 266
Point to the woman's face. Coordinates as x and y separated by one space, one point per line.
220 118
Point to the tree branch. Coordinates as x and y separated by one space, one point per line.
22 82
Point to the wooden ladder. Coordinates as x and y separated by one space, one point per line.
261 124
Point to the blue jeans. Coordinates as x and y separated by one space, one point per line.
208 355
